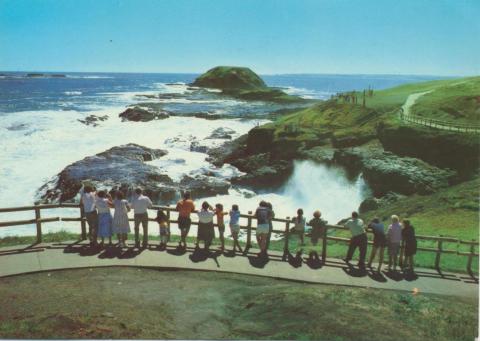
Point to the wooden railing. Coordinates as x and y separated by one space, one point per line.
438 241
439 124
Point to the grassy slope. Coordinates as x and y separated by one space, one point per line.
458 102
345 118
97 303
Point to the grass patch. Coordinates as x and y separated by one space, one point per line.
97 303
457 103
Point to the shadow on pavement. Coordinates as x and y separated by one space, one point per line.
394 275
313 261
178 251
377 276
355 272
130 253
295 261
258 261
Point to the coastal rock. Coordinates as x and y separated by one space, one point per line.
260 139
123 167
229 77
386 172
322 154
92 120
138 114
373 203
262 171
204 186
195 146
440 148
222 133
243 83
228 152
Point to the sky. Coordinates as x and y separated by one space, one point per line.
425 37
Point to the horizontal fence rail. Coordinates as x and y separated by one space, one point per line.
439 124
438 241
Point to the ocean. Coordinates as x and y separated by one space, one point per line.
41 134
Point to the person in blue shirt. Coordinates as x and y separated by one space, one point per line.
235 226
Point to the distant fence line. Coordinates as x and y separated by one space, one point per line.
439 241
439 124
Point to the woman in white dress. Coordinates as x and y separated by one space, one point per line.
121 225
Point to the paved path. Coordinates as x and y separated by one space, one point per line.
46 257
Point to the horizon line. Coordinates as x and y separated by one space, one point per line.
262 74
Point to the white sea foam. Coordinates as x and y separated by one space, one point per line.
72 93
306 93
53 139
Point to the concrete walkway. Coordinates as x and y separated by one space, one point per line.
47 257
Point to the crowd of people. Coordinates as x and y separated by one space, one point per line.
102 224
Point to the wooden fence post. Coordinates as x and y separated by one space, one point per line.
249 232
168 224
287 235
402 249
82 223
470 258
324 245
439 253
39 224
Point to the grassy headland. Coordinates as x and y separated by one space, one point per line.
243 83
322 130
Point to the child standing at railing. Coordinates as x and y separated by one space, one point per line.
220 223
318 227
162 221
235 226
299 227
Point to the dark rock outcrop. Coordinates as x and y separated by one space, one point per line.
92 120
122 166
125 168
204 186
441 148
373 203
262 171
229 77
386 172
138 114
222 133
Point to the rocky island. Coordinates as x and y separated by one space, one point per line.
242 83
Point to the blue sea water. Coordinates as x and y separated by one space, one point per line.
87 91
41 134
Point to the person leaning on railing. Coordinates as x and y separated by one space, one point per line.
184 208
379 241
87 199
359 239
394 235
263 215
140 204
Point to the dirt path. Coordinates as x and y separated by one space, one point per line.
411 99
407 116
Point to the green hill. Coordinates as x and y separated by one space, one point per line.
243 83
230 78
457 102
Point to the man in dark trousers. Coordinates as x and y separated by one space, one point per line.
359 239
140 205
